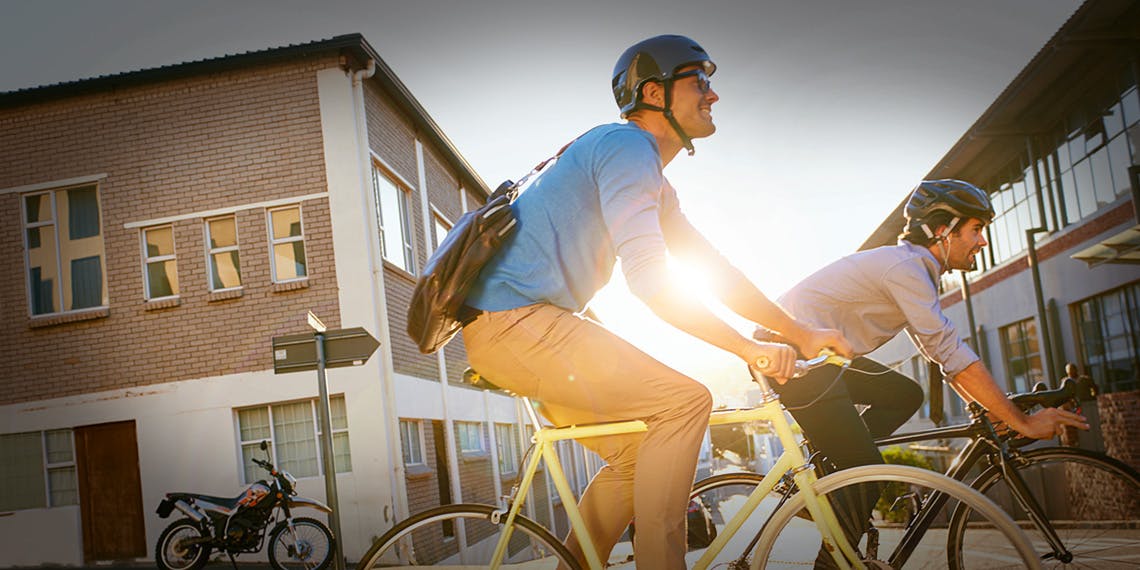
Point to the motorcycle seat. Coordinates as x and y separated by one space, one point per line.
227 504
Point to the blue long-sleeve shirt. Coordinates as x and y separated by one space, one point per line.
605 198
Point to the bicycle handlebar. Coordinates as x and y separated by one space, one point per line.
1069 390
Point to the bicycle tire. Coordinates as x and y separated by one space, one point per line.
1099 534
428 548
1003 525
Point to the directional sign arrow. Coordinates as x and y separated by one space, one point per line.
343 347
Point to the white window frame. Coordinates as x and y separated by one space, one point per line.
146 260
288 239
47 467
462 438
58 286
416 453
272 439
403 217
211 251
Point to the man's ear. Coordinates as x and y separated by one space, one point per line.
653 93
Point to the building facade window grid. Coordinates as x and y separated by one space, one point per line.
1081 168
293 432
63 249
393 217
287 244
222 254
160 263
1022 355
411 442
1108 333
38 470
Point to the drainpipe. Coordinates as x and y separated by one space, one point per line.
969 300
380 318
1042 318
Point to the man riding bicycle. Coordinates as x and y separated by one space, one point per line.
873 295
605 198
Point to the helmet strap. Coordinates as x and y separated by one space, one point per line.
667 111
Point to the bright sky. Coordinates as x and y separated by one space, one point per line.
830 111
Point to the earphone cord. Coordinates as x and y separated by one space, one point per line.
832 385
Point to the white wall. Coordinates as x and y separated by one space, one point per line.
188 441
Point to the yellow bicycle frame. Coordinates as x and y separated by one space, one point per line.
768 411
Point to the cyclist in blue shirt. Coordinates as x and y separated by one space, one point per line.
606 198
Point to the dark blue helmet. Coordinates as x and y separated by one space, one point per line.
654 59
960 199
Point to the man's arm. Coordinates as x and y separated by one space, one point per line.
680 309
739 294
976 384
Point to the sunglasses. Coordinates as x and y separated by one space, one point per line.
703 82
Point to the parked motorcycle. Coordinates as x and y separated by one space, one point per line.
237 525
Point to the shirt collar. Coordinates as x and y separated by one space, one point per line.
932 265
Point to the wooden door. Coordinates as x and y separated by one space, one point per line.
110 492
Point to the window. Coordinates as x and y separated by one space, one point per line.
1108 331
292 430
159 262
1022 355
411 442
506 438
393 217
37 470
440 227
470 437
287 244
63 243
222 254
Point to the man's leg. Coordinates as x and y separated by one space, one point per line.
583 373
822 406
892 398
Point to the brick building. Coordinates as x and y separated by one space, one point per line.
160 228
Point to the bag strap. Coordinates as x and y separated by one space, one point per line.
512 189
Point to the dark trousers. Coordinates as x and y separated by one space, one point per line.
823 403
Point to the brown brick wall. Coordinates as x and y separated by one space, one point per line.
186 145
1091 495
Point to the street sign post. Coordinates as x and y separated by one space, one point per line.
318 351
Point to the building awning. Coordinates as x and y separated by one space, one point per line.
1122 247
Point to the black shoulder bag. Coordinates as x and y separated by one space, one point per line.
433 315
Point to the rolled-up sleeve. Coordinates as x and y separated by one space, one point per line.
928 328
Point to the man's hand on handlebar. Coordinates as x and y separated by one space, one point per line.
813 341
773 360
1051 422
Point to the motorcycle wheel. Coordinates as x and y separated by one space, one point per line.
171 554
312 550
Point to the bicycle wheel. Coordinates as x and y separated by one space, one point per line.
463 536
791 540
1092 502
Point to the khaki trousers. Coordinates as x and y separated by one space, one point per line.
583 373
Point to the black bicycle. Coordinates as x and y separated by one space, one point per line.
1092 522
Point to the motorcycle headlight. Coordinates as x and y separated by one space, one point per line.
290 478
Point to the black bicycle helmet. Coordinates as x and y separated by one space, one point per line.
656 59
960 199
